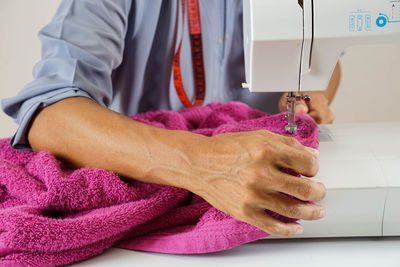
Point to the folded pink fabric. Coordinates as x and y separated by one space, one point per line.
51 215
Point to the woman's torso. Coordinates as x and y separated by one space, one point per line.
143 81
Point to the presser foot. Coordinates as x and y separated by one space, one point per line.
291 129
291 98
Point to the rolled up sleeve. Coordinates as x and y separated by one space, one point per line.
81 47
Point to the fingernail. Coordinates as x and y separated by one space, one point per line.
299 230
322 213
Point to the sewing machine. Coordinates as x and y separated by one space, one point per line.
293 46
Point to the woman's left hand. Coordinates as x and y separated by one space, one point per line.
317 107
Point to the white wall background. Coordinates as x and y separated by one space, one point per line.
20 21
369 91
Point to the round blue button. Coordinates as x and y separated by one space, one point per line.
381 21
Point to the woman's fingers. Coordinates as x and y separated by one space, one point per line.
326 117
263 221
294 143
292 208
300 159
301 188
301 107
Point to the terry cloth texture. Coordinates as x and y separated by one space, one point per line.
51 215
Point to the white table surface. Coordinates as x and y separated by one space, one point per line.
381 252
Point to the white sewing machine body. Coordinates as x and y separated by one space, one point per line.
294 45
360 166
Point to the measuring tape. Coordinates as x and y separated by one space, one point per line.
197 56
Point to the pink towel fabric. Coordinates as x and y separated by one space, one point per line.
51 215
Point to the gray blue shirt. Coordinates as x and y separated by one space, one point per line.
119 53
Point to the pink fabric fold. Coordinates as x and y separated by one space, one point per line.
51 215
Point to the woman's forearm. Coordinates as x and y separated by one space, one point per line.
333 83
82 133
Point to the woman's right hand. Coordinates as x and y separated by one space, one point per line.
242 174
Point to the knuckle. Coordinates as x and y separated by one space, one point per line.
253 179
263 132
245 210
309 160
286 233
312 165
292 141
271 178
264 151
282 231
273 228
247 203
275 181
305 190
295 211
259 153
268 148
286 161
288 185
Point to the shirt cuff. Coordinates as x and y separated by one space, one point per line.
31 106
